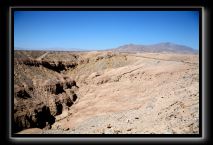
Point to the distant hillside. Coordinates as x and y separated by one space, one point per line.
155 48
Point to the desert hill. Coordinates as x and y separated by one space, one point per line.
156 48
107 91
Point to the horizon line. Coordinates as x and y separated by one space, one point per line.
95 49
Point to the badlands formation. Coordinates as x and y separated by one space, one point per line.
105 92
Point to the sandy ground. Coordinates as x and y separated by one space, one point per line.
150 93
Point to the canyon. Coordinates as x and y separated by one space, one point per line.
105 92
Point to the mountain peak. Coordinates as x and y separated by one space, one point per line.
156 48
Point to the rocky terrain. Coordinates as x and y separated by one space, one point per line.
106 92
40 91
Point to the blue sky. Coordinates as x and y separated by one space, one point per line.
96 30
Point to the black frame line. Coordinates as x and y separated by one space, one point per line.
116 8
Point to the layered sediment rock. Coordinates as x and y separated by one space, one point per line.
36 105
53 65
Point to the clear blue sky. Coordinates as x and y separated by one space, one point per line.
92 30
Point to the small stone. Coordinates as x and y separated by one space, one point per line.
109 126
127 121
136 117
66 129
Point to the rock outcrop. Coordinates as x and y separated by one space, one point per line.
53 65
36 105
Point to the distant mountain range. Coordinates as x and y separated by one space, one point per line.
155 48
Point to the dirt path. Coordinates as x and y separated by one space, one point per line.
42 56
160 58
